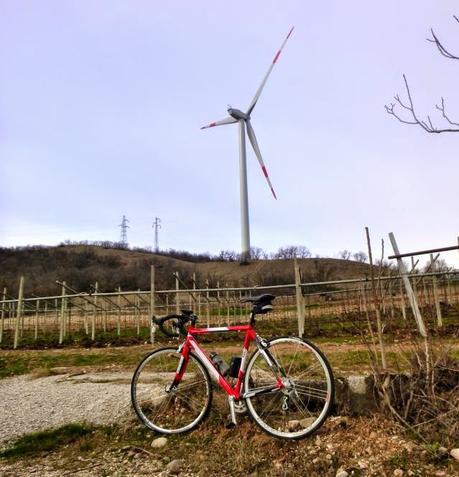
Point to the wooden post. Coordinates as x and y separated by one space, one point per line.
37 309
227 306
197 295
62 316
218 303
208 304
104 315
193 296
85 318
94 316
56 308
18 312
409 291
68 309
177 294
45 315
435 292
391 298
402 301
118 322
377 305
137 310
2 324
413 270
152 304
299 299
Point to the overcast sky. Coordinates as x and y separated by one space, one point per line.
101 105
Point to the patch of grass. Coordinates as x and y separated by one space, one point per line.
349 358
14 366
46 441
129 336
14 363
400 461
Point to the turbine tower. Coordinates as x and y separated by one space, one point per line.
156 225
238 116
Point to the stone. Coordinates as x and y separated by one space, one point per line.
442 450
306 422
398 473
342 473
159 442
175 466
360 395
293 425
455 453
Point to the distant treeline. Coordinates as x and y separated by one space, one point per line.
256 253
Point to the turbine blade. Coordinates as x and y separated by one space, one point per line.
260 89
253 141
228 120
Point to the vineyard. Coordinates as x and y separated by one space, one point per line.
331 307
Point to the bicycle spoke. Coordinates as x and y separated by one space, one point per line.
313 392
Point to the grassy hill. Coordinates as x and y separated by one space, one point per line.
83 265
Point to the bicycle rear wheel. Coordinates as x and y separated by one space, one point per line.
170 410
298 407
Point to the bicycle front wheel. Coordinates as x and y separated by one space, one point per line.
298 406
165 408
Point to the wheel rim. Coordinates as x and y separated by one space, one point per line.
170 411
302 404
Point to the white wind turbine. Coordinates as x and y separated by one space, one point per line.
235 115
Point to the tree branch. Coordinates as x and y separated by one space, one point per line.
443 113
427 124
441 48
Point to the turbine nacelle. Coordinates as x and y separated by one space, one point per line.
238 114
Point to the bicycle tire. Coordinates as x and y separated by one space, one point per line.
302 406
170 412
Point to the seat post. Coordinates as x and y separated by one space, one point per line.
252 317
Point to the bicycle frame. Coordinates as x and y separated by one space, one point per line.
190 344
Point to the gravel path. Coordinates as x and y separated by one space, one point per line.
34 404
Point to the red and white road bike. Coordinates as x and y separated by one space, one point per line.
286 385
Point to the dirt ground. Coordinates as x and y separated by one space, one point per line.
371 446
120 446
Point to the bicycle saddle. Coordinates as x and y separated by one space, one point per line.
265 299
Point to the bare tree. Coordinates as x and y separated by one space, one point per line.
292 251
410 115
360 257
345 254
257 253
